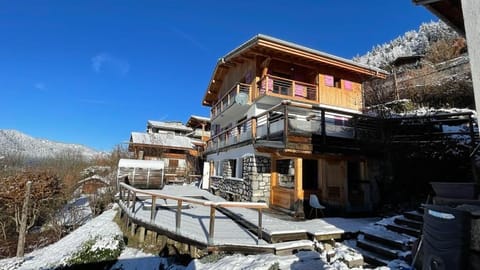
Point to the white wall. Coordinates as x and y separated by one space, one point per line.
471 16
236 153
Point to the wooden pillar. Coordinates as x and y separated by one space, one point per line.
273 177
211 231
298 190
178 216
254 128
141 236
132 229
298 179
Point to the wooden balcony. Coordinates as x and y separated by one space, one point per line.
287 89
314 129
296 126
240 92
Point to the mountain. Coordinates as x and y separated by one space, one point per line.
414 42
16 142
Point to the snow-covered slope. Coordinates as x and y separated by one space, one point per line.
414 42
16 142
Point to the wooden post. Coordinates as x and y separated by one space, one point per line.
132 229
128 199
285 125
254 128
134 199
273 178
154 208
259 225
268 126
292 90
355 127
212 225
141 236
23 221
179 216
298 190
323 125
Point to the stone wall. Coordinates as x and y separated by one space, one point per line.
254 186
256 175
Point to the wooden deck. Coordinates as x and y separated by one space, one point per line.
235 228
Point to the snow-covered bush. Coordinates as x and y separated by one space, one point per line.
97 250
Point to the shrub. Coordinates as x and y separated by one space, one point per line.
98 250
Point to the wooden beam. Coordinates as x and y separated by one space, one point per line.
298 195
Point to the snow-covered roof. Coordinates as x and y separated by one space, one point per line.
200 118
197 121
161 139
178 126
144 164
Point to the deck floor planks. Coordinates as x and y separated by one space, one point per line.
195 221
195 225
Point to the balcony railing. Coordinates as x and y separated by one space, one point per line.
229 98
296 118
292 119
276 86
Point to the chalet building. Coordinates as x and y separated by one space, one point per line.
286 122
200 126
179 146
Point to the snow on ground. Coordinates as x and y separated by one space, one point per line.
57 254
132 258
104 229
76 212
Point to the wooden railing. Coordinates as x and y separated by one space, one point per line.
293 117
277 86
229 98
128 196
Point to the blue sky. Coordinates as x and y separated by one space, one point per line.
90 72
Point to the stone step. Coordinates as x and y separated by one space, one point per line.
372 258
404 229
375 247
389 238
415 215
409 222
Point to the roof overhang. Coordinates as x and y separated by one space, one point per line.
449 11
197 121
262 44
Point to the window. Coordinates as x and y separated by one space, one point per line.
233 167
333 81
286 173
337 82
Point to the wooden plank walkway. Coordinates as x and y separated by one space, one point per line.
228 233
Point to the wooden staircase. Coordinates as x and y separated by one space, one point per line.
390 239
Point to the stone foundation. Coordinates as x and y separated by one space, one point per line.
254 186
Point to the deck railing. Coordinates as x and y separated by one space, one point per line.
128 197
277 86
229 98
294 117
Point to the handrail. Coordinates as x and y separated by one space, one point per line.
213 206
237 87
290 104
278 85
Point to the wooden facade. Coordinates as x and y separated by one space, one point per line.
291 103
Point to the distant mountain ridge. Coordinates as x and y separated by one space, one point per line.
16 142
414 42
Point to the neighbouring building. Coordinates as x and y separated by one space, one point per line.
179 146
286 122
